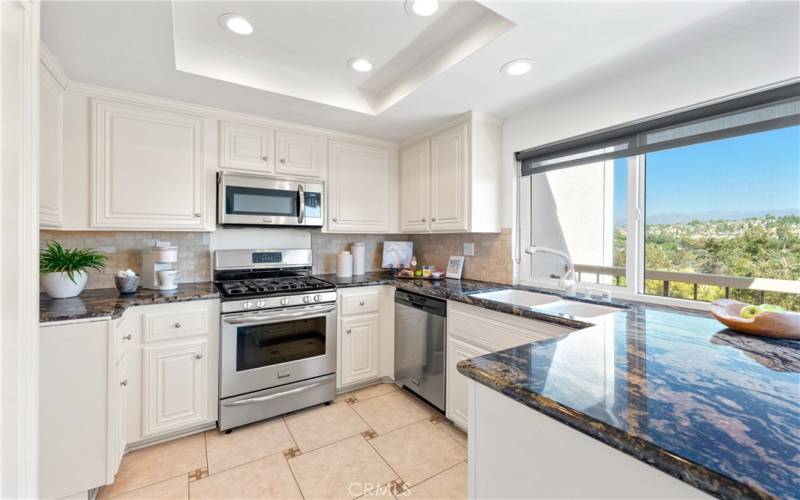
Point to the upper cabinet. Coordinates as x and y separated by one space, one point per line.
360 188
265 150
246 147
147 168
451 180
51 149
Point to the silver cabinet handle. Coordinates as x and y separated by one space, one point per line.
265 158
283 160
433 219
124 382
128 336
269 397
349 330
178 325
424 219
361 303
198 215
301 195
199 356
334 219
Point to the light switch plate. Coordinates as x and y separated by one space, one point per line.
469 249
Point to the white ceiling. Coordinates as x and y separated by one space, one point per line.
575 45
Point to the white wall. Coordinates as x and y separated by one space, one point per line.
765 55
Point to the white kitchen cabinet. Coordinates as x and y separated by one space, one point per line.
51 149
359 188
415 175
246 147
298 154
148 168
176 386
119 413
457 384
455 186
474 331
359 349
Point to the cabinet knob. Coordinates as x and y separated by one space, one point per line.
334 219
349 330
199 356
124 382
178 325
283 160
128 336
361 303
265 158
424 219
433 219
198 214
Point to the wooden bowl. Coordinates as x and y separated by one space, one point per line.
767 324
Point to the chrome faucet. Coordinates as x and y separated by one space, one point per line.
567 281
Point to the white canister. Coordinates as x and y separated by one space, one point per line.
359 251
344 265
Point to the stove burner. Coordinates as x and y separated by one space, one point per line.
271 285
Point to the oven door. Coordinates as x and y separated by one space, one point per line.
254 200
263 349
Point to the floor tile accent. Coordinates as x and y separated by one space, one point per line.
374 390
267 478
175 488
419 451
351 400
390 411
292 452
246 444
398 487
454 432
316 427
435 419
198 474
450 484
370 434
346 469
156 463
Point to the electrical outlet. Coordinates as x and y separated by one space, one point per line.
469 249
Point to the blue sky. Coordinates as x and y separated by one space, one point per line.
746 173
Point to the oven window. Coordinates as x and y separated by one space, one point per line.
257 201
265 345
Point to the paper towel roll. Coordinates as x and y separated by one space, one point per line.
344 264
359 251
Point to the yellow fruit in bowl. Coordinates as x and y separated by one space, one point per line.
749 311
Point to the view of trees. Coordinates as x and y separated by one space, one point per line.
764 247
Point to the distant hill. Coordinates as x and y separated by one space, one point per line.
718 215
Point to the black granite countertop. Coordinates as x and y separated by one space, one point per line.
714 408
107 302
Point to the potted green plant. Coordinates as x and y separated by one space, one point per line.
65 270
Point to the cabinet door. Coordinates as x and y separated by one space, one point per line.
51 148
175 388
450 179
298 154
359 188
148 168
415 182
359 349
457 384
120 423
246 147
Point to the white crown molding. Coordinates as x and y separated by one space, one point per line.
53 66
462 118
215 113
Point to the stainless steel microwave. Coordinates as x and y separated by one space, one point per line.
255 200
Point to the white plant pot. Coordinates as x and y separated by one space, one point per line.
59 286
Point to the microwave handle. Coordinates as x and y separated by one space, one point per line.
302 195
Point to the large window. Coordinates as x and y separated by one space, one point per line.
700 210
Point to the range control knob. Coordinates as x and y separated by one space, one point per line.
260 304
317 298
285 301
247 305
307 299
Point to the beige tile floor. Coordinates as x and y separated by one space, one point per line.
374 442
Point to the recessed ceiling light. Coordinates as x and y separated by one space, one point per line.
423 8
359 64
517 67
236 23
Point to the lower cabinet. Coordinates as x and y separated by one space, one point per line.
359 349
175 392
457 384
120 414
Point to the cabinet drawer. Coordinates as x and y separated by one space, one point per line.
166 325
359 303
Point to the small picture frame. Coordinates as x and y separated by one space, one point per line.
455 266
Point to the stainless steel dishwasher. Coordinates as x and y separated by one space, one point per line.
419 345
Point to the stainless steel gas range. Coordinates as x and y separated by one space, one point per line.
277 335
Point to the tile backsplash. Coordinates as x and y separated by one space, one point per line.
326 246
125 248
491 262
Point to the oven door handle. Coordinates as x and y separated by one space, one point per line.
269 397
240 319
302 212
